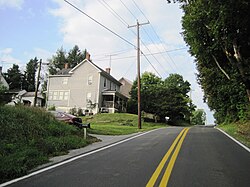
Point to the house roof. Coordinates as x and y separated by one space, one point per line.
64 71
67 72
113 92
32 94
128 81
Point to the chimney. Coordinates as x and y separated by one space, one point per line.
1 68
66 65
87 56
108 70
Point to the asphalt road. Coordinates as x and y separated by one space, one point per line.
201 156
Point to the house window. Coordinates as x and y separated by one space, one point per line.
88 96
58 95
90 80
65 81
50 95
66 95
55 95
105 83
61 95
110 85
115 87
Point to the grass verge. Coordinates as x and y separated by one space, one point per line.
29 136
118 124
239 130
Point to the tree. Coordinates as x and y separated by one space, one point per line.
3 97
199 117
162 98
14 77
72 58
58 61
217 33
30 75
75 56
177 104
176 81
149 84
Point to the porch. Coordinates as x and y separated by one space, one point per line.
114 101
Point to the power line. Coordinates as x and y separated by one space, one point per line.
133 56
128 9
151 64
110 9
155 34
137 6
100 24
107 6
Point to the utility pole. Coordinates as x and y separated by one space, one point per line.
38 83
138 69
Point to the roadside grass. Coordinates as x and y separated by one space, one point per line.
118 124
239 130
29 136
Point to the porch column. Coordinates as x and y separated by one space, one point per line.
114 101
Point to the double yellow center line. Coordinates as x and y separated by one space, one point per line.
164 181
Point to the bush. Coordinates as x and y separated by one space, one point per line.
52 108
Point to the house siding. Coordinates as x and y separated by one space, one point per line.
81 87
78 87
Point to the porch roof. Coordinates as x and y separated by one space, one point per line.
113 92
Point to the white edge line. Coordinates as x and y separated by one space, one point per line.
72 159
242 145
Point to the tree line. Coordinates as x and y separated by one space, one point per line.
26 80
217 33
165 98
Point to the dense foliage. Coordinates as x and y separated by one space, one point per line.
30 75
163 97
18 80
198 117
29 136
217 33
72 58
14 77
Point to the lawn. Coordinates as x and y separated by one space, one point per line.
118 124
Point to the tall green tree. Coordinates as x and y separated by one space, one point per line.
72 58
75 56
14 77
30 75
217 33
57 61
162 98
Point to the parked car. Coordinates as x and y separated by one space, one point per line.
70 119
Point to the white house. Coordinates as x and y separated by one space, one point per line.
86 86
26 98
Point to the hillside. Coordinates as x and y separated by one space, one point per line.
29 136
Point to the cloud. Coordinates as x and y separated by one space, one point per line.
17 4
7 60
40 54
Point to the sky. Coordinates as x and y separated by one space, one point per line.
35 28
